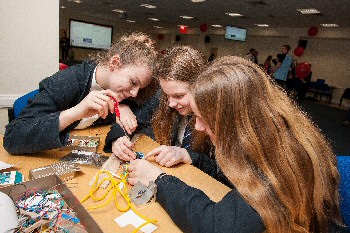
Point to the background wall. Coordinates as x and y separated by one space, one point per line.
28 44
326 52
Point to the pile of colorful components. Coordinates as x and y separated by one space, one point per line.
84 143
46 211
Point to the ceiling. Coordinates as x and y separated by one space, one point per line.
275 13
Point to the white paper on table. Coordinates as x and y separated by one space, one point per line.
130 217
5 165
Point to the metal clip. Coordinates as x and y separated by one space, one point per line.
141 194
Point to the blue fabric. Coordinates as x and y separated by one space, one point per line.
344 170
282 72
186 141
22 101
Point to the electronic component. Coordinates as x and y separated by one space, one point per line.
65 170
84 157
141 194
139 155
83 143
12 177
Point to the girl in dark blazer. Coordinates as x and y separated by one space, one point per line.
79 95
173 123
281 166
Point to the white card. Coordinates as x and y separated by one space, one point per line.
130 217
5 165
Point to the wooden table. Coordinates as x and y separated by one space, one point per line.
105 216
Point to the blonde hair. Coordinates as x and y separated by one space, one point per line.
183 64
136 48
278 160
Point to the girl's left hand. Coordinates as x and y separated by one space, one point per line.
127 118
168 156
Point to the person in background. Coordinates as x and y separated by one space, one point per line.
282 168
64 45
252 55
281 70
211 57
173 122
82 94
267 64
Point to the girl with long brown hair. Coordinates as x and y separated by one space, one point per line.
281 166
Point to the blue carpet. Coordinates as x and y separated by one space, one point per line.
344 170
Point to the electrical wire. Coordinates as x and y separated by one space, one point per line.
115 190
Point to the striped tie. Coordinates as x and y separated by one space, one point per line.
186 141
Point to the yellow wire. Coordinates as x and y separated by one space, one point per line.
116 189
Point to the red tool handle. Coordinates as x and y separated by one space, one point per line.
116 107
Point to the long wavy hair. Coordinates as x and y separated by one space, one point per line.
183 64
278 160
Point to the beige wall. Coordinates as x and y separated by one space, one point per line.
30 34
28 45
327 52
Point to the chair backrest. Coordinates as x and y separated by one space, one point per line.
62 66
320 82
344 170
22 101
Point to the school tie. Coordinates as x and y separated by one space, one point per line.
186 141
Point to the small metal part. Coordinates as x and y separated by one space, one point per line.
64 170
141 194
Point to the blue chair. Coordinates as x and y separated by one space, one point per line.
22 101
344 170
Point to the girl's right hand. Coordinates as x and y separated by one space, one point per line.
96 102
122 149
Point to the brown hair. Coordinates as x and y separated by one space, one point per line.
133 49
274 155
184 64
287 47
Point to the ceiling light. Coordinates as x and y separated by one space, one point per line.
77 1
153 19
197 0
63 7
186 17
118 11
182 26
216 26
157 26
308 11
234 14
130 21
148 6
329 25
262 25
